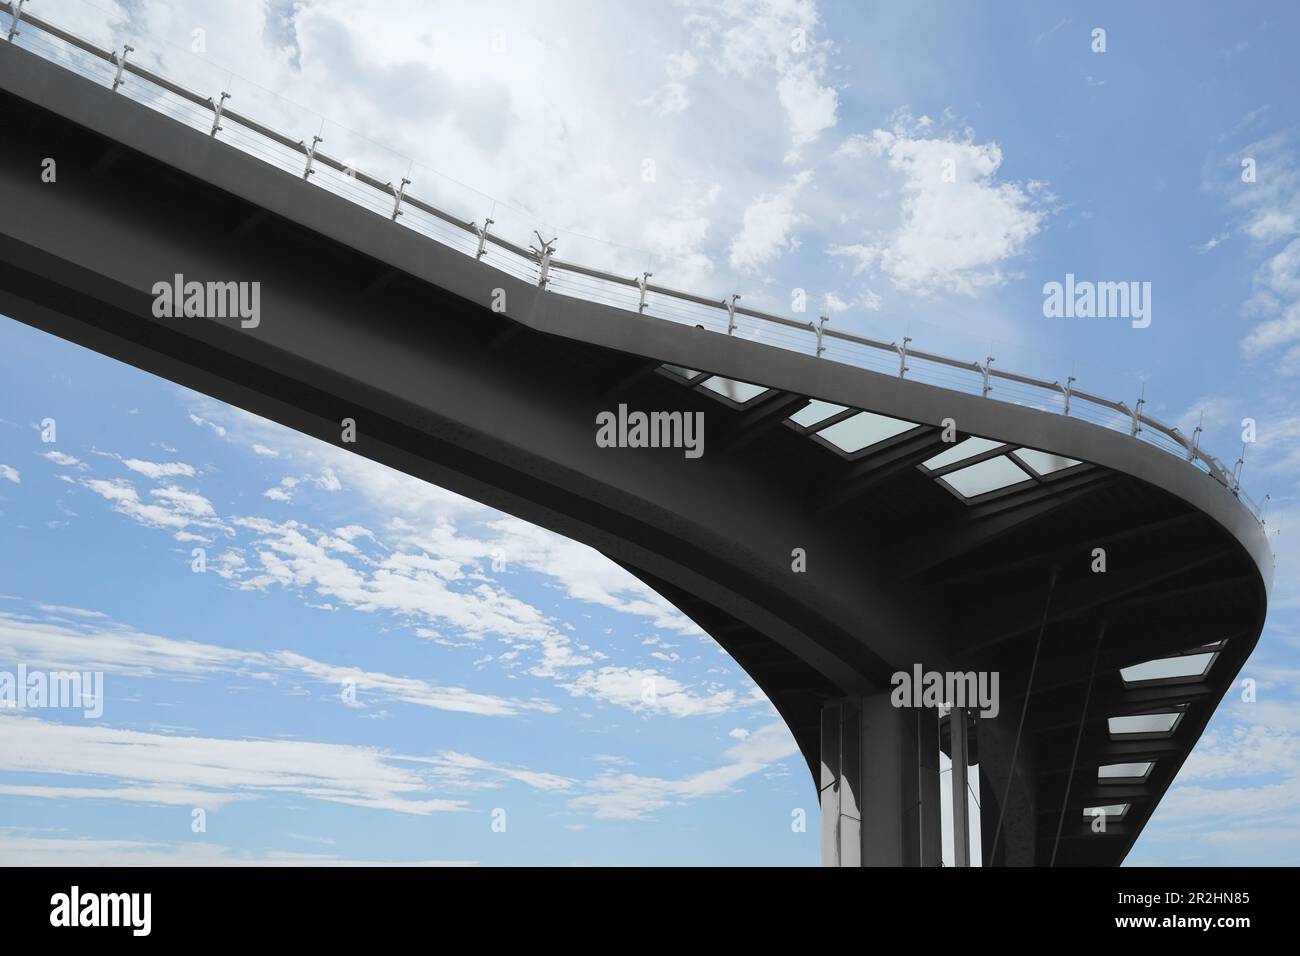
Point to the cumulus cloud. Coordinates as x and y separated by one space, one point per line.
672 96
781 39
958 223
767 226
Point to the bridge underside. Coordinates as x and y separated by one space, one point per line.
366 320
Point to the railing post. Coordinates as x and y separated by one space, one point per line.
1236 471
821 331
642 284
988 362
311 155
482 236
1067 390
544 253
218 107
13 24
118 80
1137 415
1196 439
397 197
731 313
902 356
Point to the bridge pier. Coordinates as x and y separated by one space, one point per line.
1008 835
960 753
879 783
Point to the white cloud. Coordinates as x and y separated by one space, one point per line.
409 584
779 38
207 424
74 611
125 500
1214 242
328 480
627 796
1277 298
1267 211
185 502
10 474
958 224
59 458
809 105
176 511
28 850
649 691
768 223
216 769
119 650
672 96
461 769
155 470
408 690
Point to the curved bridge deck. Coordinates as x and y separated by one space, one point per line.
975 554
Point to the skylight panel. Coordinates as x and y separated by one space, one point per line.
678 370
816 411
863 430
1143 723
986 476
739 392
960 452
1189 665
1124 771
1045 463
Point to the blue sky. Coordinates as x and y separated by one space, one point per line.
519 686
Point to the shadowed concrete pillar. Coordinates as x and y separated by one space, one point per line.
1016 844
960 804
840 783
879 784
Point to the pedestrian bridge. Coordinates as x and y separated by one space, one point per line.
859 509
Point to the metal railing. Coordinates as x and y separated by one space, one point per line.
538 263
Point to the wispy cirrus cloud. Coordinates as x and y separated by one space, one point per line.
202 771
627 796
97 645
34 850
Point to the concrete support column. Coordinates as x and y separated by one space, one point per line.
1016 845
879 784
960 803
841 783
